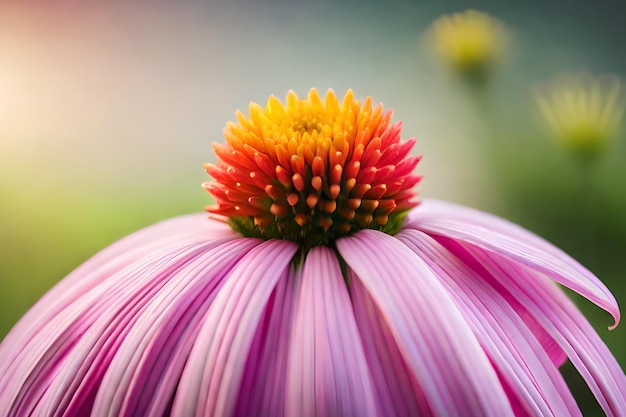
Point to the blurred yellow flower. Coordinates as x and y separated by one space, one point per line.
582 112
471 43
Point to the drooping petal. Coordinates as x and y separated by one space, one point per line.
549 345
328 372
214 370
89 320
434 338
561 319
397 388
173 233
263 388
534 381
499 236
144 372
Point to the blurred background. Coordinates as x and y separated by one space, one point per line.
109 109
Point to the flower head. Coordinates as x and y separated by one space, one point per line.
470 43
582 112
455 313
312 171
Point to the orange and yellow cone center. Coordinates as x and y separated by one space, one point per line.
313 170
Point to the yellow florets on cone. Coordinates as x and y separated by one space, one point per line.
312 170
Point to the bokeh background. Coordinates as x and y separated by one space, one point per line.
108 110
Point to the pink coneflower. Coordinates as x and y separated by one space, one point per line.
318 287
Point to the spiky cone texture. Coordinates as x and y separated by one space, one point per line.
455 313
312 171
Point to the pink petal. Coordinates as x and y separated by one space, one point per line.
397 388
549 345
75 345
264 383
499 236
144 372
328 373
80 334
533 380
172 233
434 338
561 319
213 373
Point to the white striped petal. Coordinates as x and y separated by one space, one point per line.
433 337
328 374
397 388
211 379
511 346
173 234
143 374
507 239
560 317
263 388
91 329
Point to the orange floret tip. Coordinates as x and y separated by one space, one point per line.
312 170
